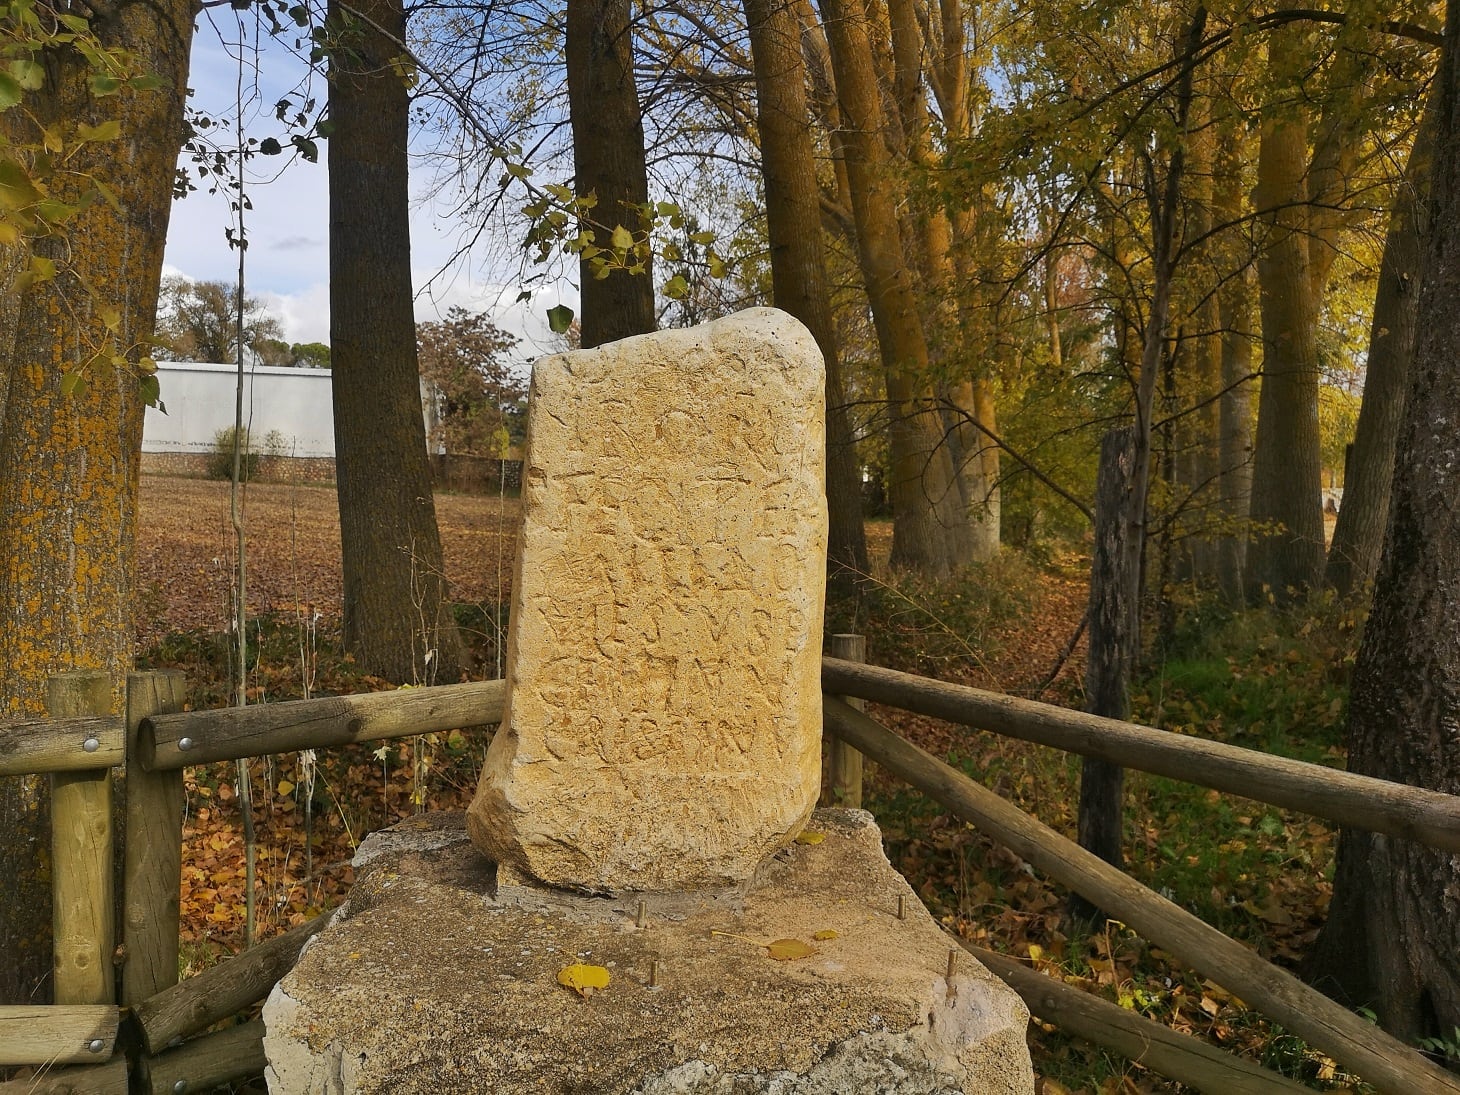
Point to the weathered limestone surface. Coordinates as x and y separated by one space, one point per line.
663 723
432 981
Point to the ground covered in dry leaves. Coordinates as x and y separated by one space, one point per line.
1257 873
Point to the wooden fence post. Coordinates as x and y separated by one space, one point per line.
82 845
152 851
846 762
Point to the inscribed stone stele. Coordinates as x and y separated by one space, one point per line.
663 722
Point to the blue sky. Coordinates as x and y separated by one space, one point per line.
287 261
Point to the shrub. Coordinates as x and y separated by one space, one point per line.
220 460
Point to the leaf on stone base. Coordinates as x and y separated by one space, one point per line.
583 979
810 836
788 950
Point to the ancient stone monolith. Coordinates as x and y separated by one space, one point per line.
663 725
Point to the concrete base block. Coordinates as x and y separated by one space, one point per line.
436 977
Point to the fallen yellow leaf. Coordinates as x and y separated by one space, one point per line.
788 950
810 836
825 933
583 979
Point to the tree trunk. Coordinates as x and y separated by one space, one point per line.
798 261
1114 616
608 160
1234 317
1353 559
1286 552
397 620
69 463
1199 430
1394 923
936 237
926 502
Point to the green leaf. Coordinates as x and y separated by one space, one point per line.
270 147
17 191
325 128
10 91
103 83
307 148
30 74
146 82
676 288
300 14
150 389
560 318
55 212
526 294
73 384
75 23
622 238
107 195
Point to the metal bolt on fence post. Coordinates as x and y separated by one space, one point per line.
91 745
96 1045
180 1087
184 744
901 907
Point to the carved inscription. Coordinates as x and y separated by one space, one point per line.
663 723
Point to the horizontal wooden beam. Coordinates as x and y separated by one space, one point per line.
35 746
107 1079
204 1063
198 737
1385 1062
1361 802
1180 1057
222 990
62 1034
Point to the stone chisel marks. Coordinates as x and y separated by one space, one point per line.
663 721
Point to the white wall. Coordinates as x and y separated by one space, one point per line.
200 397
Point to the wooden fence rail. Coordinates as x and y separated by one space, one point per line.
200 737
57 1034
40 746
224 990
1361 802
1181 1057
1384 1061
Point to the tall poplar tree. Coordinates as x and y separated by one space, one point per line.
1393 930
608 162
71 406
798 261
397 619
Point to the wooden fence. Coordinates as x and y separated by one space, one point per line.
143 1031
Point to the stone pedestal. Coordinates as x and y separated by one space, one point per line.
435 979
